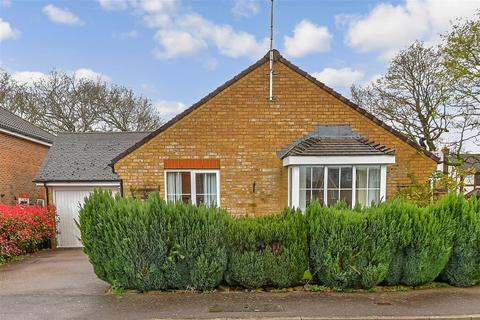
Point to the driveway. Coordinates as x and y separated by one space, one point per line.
60 284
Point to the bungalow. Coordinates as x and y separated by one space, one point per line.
239 150
23 147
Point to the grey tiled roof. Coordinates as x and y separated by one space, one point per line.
469 160
334 140
13 123
85 156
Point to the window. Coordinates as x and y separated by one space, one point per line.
339 185
195 186
363 184
311 185
367 185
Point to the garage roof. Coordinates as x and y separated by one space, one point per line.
76 157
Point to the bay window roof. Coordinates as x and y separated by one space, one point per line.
334 140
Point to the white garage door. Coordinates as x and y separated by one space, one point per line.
68 201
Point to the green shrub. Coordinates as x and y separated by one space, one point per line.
267 251
423 240
348 249
153 244
463 267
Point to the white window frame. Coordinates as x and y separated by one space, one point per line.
368 189
294 182
193 185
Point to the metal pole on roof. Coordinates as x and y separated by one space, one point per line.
271 53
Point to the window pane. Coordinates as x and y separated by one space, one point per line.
317 195
374 177
332 197
304 171
346 195
333 174
308 198
303 199
317 178
362 197
361 177
373 196
206 188
346 178
178 186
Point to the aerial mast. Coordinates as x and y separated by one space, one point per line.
270 98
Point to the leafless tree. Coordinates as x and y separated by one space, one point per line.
414 96
60 102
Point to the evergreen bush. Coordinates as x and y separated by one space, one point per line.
153 244
348 249
463 267
267 251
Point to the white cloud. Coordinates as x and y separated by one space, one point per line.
6 31
168 109
132 34
89 74
245 8
29 77
343 77
5 3
183 32
113 4
62 16
307 38
176 43
388 28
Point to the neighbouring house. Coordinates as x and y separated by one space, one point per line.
76 164
23 147
239 150
468 162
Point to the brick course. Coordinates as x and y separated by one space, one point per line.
242 129
19 163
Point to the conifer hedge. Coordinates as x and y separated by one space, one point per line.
348 249
154 244
267 251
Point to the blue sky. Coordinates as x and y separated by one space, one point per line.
175 52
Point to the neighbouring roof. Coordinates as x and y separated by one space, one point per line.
85 156
13 123
334 140
470 160
277 58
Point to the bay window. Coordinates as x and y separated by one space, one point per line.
328 184
195 186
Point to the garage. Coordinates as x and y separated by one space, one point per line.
77 164
68 201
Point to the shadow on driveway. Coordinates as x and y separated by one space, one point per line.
60 284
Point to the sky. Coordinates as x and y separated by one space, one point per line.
177 51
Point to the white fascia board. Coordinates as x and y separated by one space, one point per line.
338 160
81 184
21 136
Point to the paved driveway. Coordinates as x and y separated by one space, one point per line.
61 285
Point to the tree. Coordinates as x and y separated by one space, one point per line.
60 102
461 50
414 96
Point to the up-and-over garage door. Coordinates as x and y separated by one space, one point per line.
68 201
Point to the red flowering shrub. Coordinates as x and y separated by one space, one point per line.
23 228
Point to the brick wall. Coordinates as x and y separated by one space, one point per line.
244 130
19 163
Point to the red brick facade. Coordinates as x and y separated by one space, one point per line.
238 126
19 163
